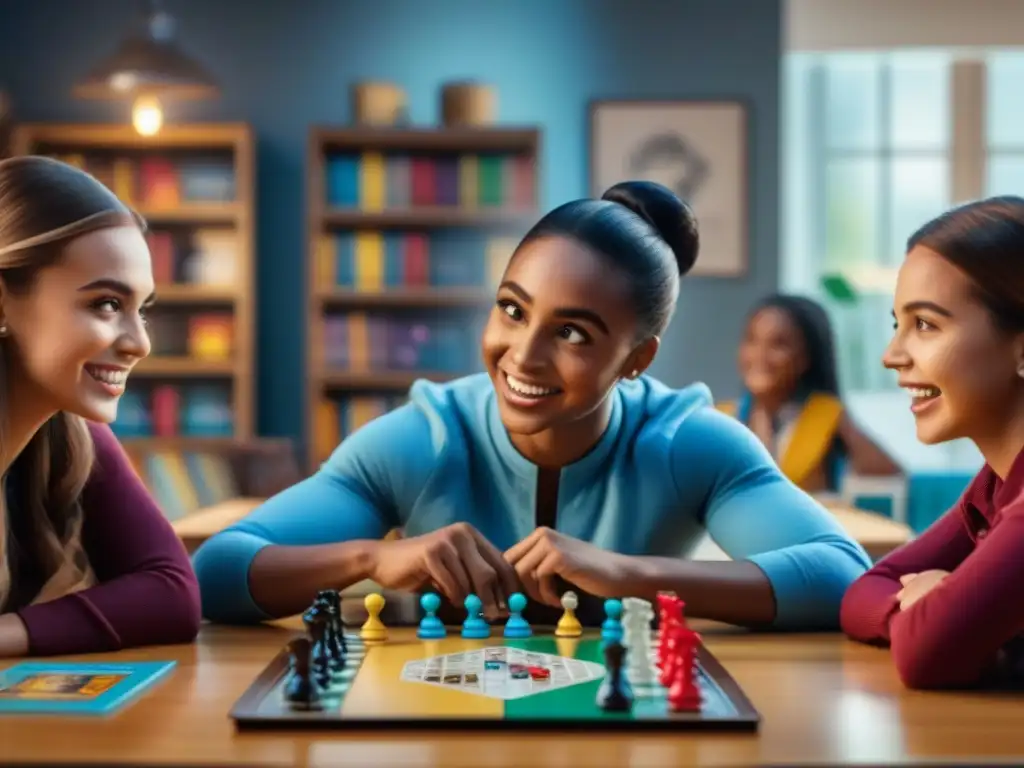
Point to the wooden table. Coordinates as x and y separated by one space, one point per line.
824 700
879 535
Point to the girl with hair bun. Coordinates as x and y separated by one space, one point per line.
948 603
563 465
88 562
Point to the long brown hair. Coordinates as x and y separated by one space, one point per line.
44 204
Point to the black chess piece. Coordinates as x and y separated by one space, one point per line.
316 620
615 693
301 690
334 597
334 635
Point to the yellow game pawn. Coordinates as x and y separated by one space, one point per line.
374 631
569 625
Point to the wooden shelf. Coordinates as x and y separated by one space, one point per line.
193 213
186 294
523 140
235 143
326 221
184 367
438 217
114 136
380 380
406 297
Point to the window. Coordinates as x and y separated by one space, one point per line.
867 140
1005 124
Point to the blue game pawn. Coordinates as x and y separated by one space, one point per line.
611 628
475 627
431 627
517 626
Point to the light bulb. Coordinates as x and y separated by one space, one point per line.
147 116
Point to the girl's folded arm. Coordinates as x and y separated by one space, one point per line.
870 602
950 637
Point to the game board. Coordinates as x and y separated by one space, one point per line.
539 682
76 688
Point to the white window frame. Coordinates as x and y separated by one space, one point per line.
803 236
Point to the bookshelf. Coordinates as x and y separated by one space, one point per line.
195 186
409 229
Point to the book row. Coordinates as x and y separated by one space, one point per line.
204 256
372 261
160 182
337 418
377 181
361 342
173 410
202 336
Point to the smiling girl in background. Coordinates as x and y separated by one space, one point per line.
949 603
791 397
87 561
564 462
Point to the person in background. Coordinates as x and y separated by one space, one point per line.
791 397
948 603
564 463
87 561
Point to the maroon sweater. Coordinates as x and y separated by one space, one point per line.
959 634
146 592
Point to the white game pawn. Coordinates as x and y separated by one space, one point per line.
637 617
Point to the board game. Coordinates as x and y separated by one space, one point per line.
76 688
540 681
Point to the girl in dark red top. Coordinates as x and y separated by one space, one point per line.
950 603
87 561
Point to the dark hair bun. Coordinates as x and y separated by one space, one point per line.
671 218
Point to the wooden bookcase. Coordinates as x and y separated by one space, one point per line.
381 203
206 305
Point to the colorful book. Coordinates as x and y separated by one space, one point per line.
77 688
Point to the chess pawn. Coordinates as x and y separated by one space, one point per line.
568 625
373 630
333 598
301 689
615 693
316 621
684 692
668 654
332 634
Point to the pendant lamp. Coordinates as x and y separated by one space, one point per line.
146 67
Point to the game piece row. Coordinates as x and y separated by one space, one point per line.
475 626
673 666
625 636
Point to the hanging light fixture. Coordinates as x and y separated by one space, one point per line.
147 67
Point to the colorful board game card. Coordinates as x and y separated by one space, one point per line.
76 688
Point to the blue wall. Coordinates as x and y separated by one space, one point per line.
284 66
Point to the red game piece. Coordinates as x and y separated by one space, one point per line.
684 691
670 617
539 673
669 657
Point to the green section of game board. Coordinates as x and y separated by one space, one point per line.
576 702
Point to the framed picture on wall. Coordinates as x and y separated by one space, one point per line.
698 149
